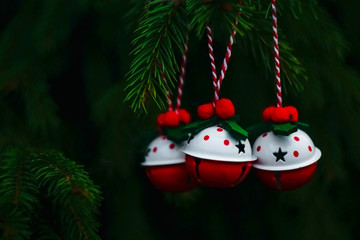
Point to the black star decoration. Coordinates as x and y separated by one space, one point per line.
241 147
190 138
280 155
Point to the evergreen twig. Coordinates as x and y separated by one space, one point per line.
18 195
26 177
75 198
161 32
258 42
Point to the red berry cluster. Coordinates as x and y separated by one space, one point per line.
280 114
224 109
173 119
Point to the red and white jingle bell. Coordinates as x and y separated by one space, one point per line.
216 159
165 166
285 162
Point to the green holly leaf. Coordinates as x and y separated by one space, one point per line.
284 129
302 125
180 134
260 128
176 134
199 125
279 129
234 129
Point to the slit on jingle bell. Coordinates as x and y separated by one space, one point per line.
197 163
243 170
277 176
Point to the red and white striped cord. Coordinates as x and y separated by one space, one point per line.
212 62
217 82
182 75
276 53
227 56
168 95
181 80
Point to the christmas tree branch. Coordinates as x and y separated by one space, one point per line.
14 224
161 32
26 177
256 32
45 231
18 195
164 22
258 42
72 192
211 11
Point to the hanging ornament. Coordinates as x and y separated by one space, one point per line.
220 155
164 162
287 156
218 152
165 166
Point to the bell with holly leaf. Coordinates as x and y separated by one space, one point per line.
218 152
164 162
287 156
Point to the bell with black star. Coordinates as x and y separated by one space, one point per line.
165 163
285 161
216 158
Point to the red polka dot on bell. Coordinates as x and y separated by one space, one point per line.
154 149
310 149
258 148
164 137
296 153
264 135
219 129
226 142
296 139
206 137
172 146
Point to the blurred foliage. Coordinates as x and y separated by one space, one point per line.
63 66
161 34
31 181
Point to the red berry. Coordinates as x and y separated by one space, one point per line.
293 113
160 120
184 116
267 113
205 111
280 115
171 119
224 108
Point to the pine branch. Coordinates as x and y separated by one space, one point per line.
46 231
254 26
74 196
160 34
225 12
14 224
133 13
322 34
256 33
258 42
18 196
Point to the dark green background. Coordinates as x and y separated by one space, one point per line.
62 68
